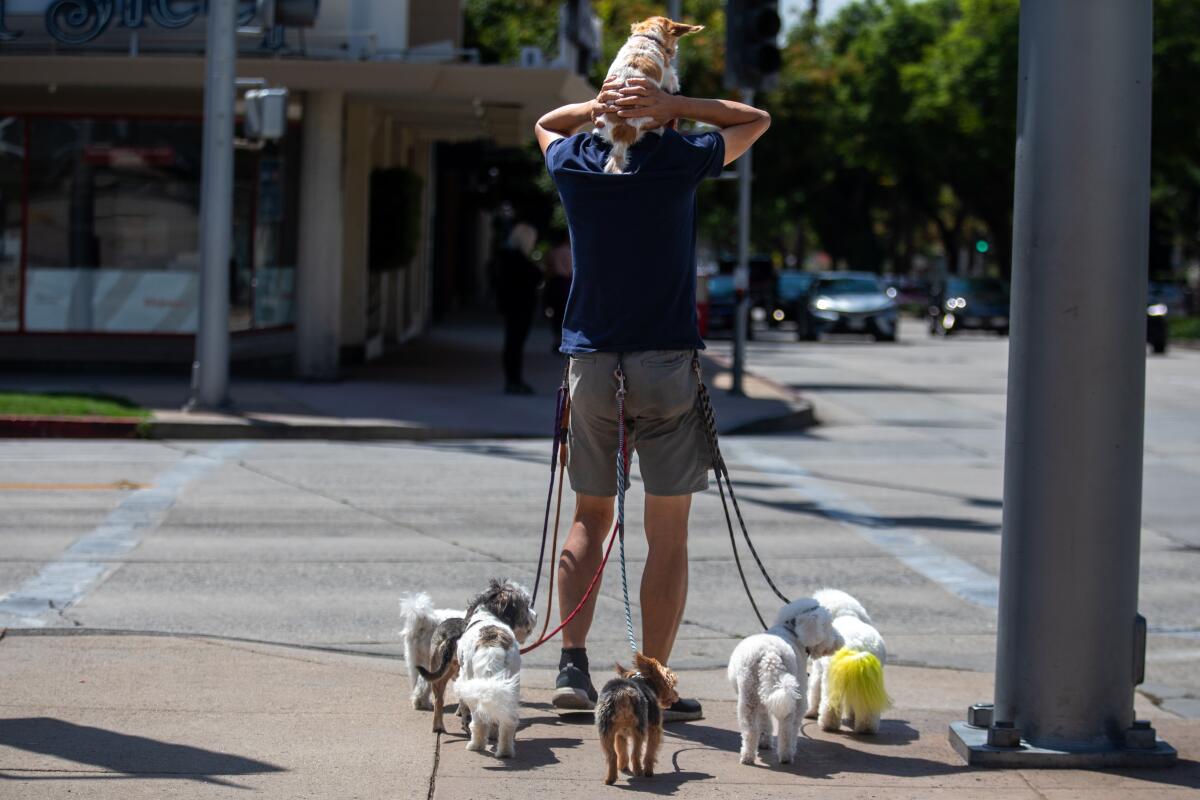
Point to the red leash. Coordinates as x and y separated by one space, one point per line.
591 587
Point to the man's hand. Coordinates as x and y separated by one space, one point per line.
603 104
641 98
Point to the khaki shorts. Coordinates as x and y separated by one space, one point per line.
664 428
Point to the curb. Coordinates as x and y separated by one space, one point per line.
264 430
36 427
801 417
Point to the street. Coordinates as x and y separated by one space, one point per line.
894 497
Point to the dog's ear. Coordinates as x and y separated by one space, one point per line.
678 29
621 671
658 677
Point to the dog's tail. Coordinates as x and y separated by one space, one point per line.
778 688
491 699
855 683
440 659
623 135
416 608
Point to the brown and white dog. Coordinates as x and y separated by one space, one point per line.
629 716
647 53
443 663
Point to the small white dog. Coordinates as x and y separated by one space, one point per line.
849 684
489 658
420 619
766 670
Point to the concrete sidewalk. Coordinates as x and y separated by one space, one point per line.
134 716
445 385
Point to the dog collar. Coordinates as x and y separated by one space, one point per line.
657 41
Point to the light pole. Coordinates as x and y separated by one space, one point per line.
1070 644
741 277
210 370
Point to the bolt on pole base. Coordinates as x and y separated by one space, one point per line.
999 744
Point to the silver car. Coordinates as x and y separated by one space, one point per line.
851 302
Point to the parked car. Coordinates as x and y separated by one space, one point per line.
722 306
790 301
979 304
850 302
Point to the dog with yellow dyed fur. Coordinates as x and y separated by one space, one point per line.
848 685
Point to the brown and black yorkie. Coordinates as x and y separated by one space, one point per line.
629 716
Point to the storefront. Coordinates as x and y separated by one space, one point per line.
100 178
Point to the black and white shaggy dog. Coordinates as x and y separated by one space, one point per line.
420 619
489 659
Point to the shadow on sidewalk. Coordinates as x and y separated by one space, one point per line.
134 756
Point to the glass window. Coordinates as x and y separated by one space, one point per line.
12 160
114 228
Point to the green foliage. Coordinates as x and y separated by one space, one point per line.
893 125
500 28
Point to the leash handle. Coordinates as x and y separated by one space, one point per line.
561 401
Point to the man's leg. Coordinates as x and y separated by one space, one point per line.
665 578
581 557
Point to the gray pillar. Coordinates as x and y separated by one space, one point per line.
1066 654
210 370
741 280
319 278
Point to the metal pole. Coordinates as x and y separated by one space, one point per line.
741 277
1067 647
210 370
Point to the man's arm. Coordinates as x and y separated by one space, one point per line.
740 124
566 120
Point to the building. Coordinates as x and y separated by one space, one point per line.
334 246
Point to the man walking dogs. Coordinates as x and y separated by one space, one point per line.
633 303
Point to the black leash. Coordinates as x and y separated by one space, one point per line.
704 407
560 406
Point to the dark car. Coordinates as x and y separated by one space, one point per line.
850 302
978 304
790 301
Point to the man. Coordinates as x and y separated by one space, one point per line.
633 303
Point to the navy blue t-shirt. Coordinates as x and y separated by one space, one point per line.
633 240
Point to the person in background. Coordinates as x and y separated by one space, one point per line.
517 279
558 268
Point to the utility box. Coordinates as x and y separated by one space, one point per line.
266 113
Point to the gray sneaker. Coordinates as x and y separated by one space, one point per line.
573 690
683 711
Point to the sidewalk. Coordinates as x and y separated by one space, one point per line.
446 385
128 716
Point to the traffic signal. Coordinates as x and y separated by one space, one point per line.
752 57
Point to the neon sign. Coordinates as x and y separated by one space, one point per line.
76 22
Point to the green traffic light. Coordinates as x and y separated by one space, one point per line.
982 246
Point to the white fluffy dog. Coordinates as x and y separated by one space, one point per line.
849 684
766 670
420 618
489 657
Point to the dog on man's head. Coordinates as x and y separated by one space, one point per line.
647 53
766 670
420 620
629 716
489 659
848 685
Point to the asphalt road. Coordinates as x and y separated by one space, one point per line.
896 498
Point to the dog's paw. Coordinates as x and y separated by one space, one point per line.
505 752
421 703
475 747
747 758
811 713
